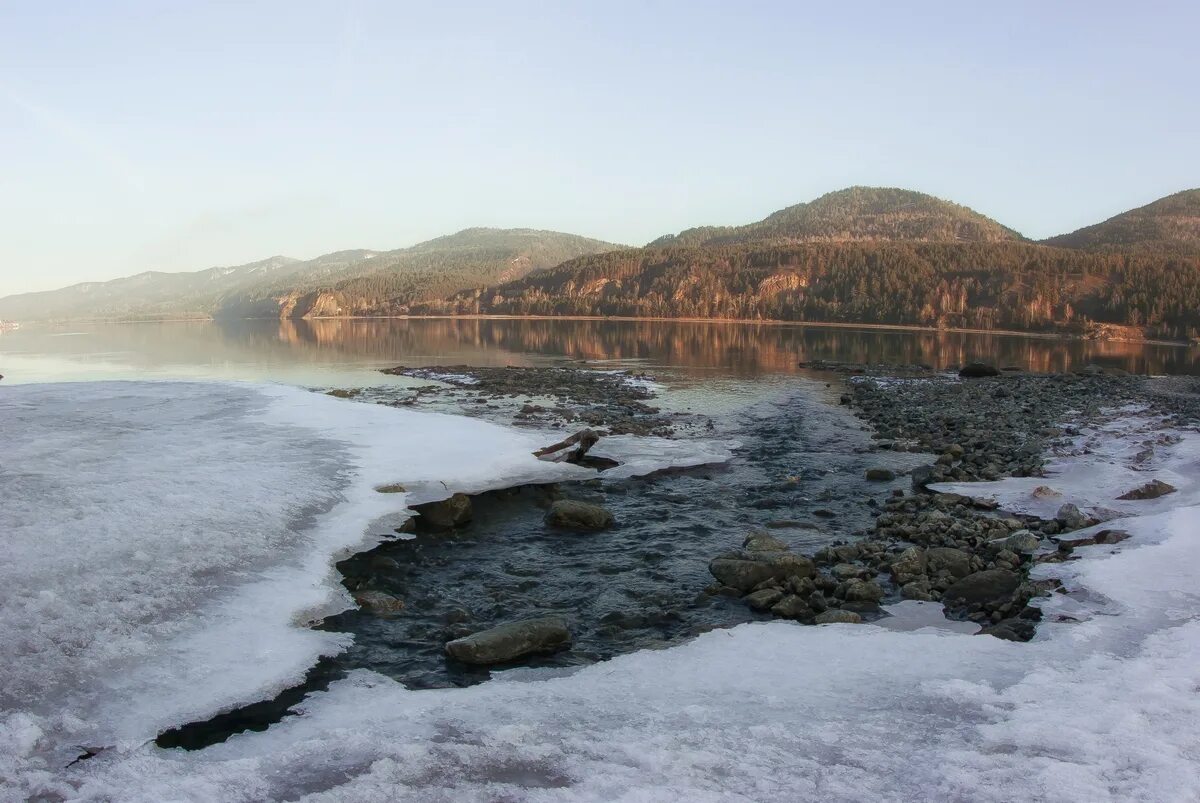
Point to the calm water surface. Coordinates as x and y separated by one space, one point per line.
341 352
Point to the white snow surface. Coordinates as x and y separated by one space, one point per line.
1101 706
166 542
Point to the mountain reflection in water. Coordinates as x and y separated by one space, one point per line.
326 351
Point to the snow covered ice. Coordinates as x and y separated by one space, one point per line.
191 528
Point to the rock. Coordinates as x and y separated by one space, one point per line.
764 599
1015 629
922 476
863 591
446 514
762 542
1070 518
983 588
880 474
976 370
838 617
917 589
1102 537
947 560
394 488
745 570
848 571
817 601
909 565
573 515
1110 536
343 393
1151 490
513 640
801 586
456 616
377 602
1022 542
792 607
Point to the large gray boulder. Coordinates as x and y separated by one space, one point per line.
513 640
744 570
984 588
572 515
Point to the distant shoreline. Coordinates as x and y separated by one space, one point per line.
893 327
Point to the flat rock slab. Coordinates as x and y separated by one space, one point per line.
498 645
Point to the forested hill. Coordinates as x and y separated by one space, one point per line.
983 285
855 214
388 283
342 283
1170 225
859 255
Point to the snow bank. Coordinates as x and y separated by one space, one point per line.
165 543
1097 708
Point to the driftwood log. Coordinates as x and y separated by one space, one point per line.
582 440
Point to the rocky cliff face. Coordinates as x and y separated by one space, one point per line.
316 304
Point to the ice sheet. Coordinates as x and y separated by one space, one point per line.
165 542
1102 709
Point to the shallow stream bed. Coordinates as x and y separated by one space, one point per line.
798 472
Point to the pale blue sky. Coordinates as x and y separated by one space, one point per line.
168 136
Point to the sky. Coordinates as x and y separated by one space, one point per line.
169 136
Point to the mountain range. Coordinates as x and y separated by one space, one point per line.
862 254
356 282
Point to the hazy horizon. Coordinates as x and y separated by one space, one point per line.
178 139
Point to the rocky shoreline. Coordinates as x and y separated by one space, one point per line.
553 396
946 547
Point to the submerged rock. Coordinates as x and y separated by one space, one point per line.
378 602
573 515
762 542
880 474
513 640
